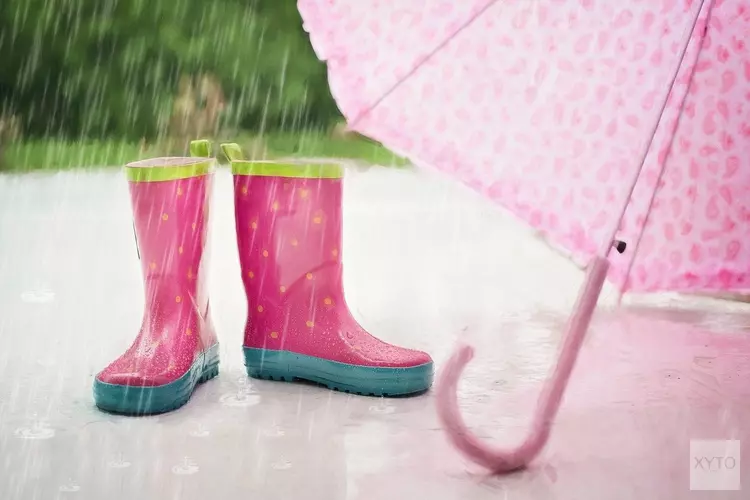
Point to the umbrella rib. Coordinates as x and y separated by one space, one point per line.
422 61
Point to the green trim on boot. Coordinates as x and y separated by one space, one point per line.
301 169
173 168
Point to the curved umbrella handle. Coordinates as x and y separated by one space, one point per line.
506 460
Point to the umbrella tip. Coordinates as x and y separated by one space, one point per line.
620 246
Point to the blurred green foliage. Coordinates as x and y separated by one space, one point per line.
53 154
94 69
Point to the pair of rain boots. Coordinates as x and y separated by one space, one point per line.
289 222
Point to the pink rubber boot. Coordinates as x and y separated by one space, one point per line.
176 347
289 223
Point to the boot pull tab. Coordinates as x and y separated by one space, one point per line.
200 148
233 151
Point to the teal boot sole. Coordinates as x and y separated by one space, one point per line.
365 380
136 400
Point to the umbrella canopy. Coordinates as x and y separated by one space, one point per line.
591 120
549 106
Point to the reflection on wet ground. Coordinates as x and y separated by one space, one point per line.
427 263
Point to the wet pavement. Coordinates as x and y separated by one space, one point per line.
427 262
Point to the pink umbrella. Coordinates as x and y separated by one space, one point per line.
594 121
